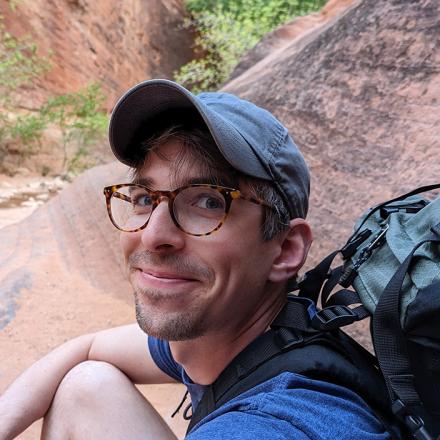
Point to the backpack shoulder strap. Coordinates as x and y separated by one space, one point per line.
328 356
392 352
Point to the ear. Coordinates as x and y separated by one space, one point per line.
294 247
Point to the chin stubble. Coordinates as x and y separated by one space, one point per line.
172 326
178 326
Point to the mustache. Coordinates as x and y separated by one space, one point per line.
172 263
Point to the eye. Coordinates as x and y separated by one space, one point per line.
142 200
206 201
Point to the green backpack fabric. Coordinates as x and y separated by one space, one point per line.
391 273
396 229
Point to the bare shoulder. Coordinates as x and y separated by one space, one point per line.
126 348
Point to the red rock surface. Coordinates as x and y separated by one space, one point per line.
115 43
361 98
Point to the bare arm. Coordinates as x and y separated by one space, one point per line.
29 397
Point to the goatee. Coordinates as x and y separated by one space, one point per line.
179 326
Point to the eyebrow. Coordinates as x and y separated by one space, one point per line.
218 180
145 181
208 180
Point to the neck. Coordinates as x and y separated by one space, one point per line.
204 358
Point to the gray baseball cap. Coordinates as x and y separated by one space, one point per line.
250 138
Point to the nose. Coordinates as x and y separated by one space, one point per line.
161 234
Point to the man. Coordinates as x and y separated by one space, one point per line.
212 230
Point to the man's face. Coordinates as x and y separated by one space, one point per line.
187 286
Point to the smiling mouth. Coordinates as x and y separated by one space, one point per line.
163 277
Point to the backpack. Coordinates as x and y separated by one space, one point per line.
390 273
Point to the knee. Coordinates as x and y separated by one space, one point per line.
80 397
88 381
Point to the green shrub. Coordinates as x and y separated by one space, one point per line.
290 7
28 128
79 117
19 66
19 62
222 39
228 28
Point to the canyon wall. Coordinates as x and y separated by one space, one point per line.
115 43
361 97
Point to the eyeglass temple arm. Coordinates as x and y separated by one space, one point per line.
121 196
238 195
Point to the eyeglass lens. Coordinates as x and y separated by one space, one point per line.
197 209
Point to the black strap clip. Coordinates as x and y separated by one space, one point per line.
351 272
411 208
353 244
333 317
413 422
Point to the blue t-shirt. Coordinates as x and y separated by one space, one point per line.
288 406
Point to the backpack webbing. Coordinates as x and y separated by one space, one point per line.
328 356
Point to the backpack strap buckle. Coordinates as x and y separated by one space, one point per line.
333 317
413 422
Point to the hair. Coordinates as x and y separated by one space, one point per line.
200 148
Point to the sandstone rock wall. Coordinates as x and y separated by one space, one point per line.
361 97
116 43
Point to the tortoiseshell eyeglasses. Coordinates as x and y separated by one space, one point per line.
198 209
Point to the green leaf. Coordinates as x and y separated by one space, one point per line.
226 29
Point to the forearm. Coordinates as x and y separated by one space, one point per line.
29 397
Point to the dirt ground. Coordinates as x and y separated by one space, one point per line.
20 196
